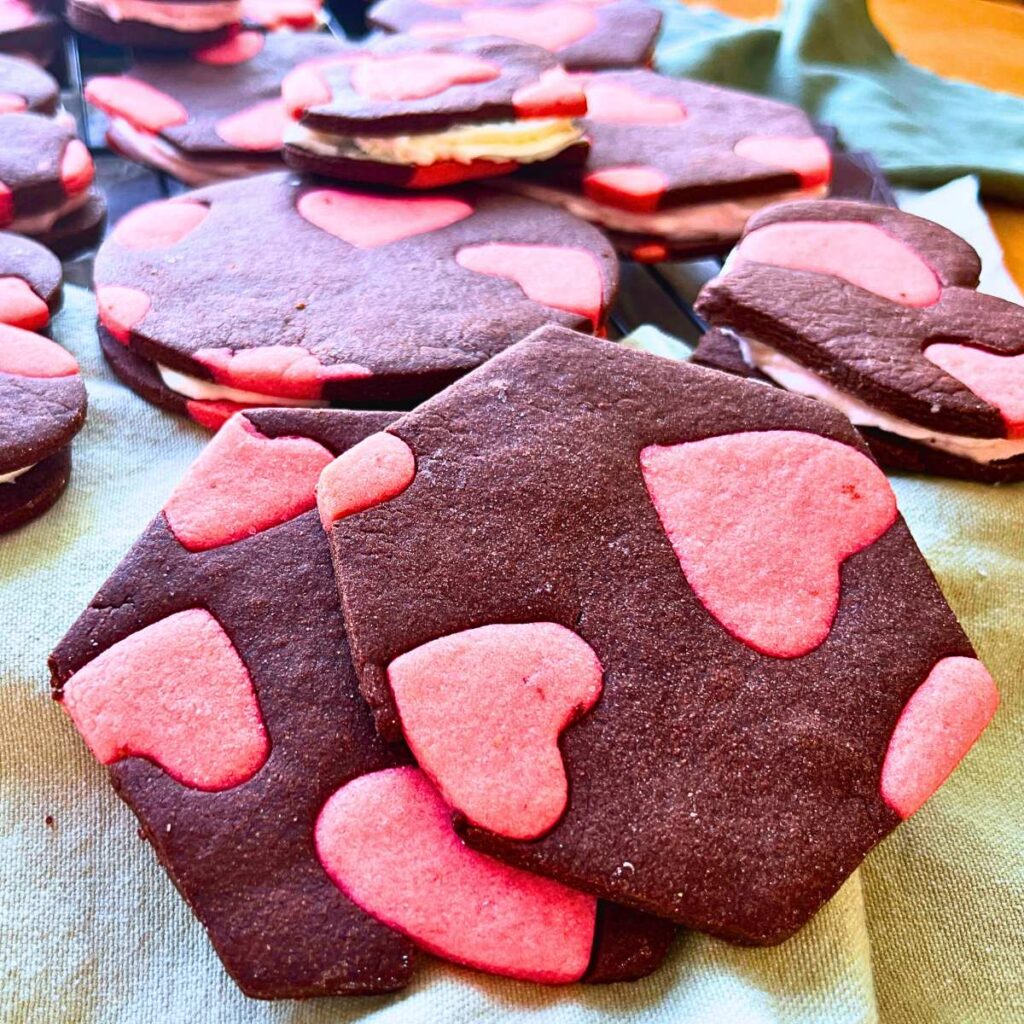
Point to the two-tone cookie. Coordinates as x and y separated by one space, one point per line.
211 115
30 282
277 290
420 114
654 631
28 29
46 177
875 312
676 168
212 674
155 24
582 34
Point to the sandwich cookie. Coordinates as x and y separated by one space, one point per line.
584 35
155 24
742 674
42 407
318 859
46 177
211 115
675 168
875 312
278 290
28 29
418 114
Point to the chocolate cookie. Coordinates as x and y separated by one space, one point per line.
42 407
30 282
583 36
79 230
420 114
46 174
875 312
675 168
233 291
28 29
153 24
210 115
654 631
26 88
283 15
293 831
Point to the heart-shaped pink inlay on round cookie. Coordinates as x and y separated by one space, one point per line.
482 711
809 157
159 225
414 76
387 842
761 523
141 105
375 470
20 306
241 47
25 354
635 188
994 377
613 103
257 129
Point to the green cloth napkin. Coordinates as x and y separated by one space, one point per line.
92 932
827 57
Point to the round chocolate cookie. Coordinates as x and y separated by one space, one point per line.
30 282
676 167
46 174
417 113
583 36
276 290
210 115
151 24
876 312
42 407
26 88
28 29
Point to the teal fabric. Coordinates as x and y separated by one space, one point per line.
827 57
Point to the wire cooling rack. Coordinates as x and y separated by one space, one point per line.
660 294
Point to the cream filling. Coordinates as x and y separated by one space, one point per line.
798 379
206 391
9 478
197 17
165 156
40 223
723 218
524 142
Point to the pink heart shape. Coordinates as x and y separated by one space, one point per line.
612 103
76 168
552 275
808 157
20 306
159 225
413 76
939 724
367 221
241 47
863 254
554 94
995 378
257 129
376 470
552 26
6 205
635 188
244 483
142 106
761 523
121 309
177 693
387 842
482 711
15 14
283 371
24 354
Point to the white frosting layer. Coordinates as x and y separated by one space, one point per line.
523 141
159 153
9 478
723 218
40 223
798 379
206 391
197 17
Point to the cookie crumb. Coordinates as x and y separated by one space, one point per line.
49 821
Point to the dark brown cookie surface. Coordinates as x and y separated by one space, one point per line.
91 21
26 87
616 33
35 492
30 282
434 285
623 531
81 229
241 839
28 29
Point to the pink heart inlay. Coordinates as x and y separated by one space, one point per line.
121 309
244 483
367 221
553 26
76 168
761 523
142 106
257 129
940 723
809 157
863 254
387 842
638 189
995 378
20 306
414 76
175 692
25 354
482 711
241 47
611 103
159 225
15 14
